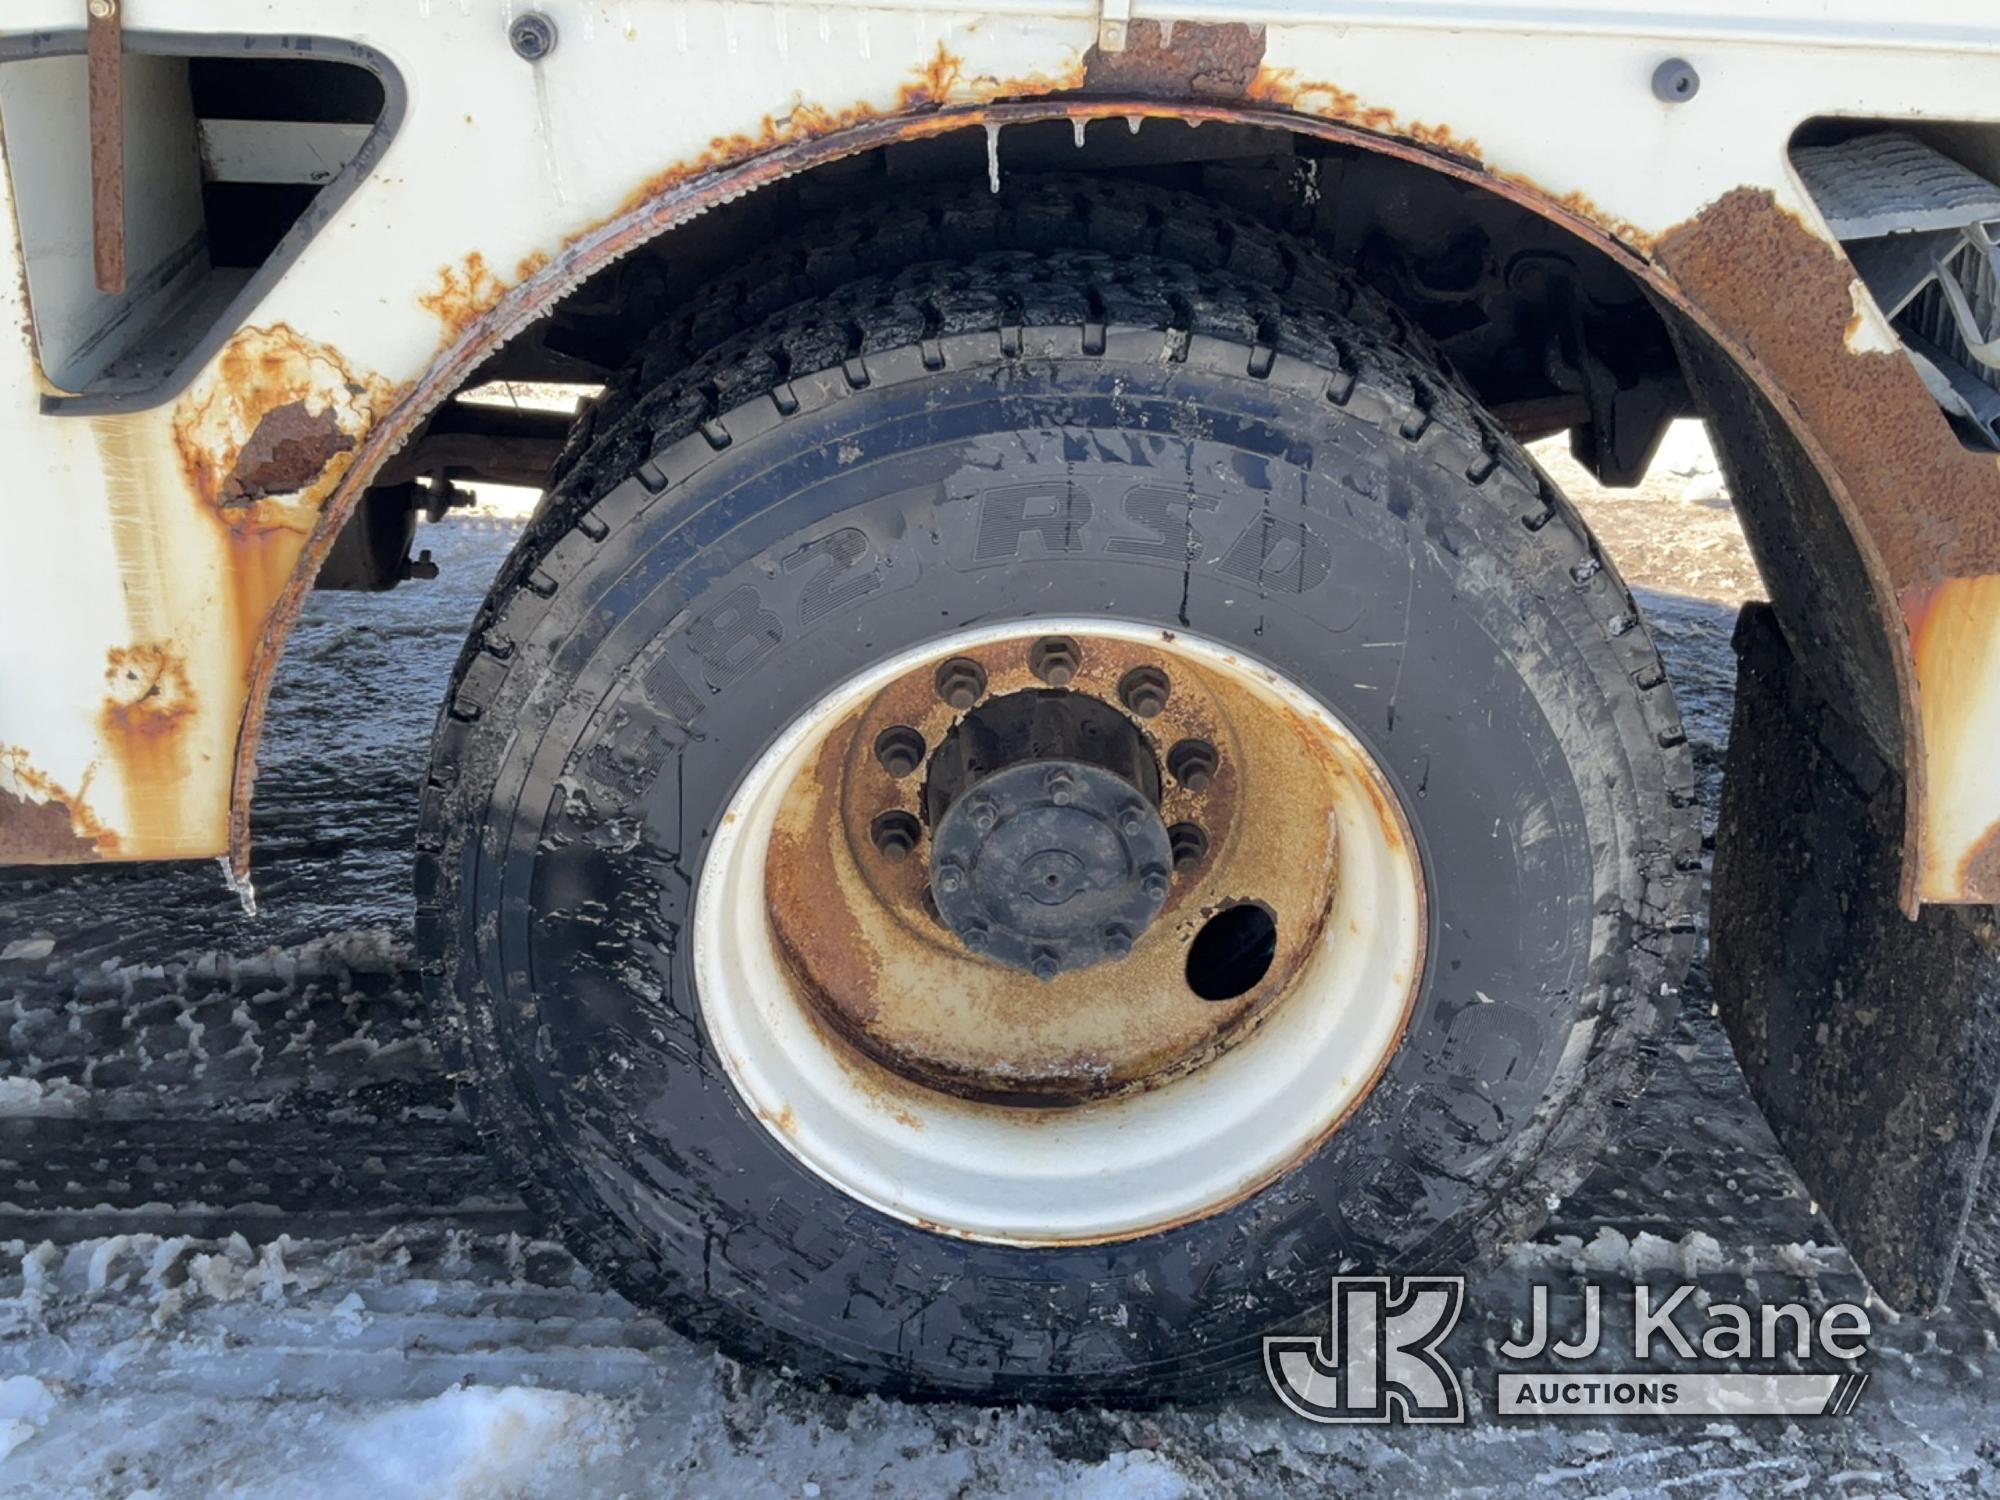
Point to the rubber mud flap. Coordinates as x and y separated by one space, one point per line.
1004 436
1871 1042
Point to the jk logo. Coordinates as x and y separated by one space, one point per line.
1379 1360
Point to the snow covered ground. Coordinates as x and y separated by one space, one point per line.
247 1247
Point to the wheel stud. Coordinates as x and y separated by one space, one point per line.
900 749
1061 787
983 814
961 682
1155 882
1046 964
974 937
1192 763
895 834
1055 659
1131 819
1117 940
948 877
1144 690
1189 842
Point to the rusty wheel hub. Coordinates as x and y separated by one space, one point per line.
1107 885
1000 909
1049 853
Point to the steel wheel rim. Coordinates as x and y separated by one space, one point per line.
1108 1169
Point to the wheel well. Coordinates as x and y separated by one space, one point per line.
1549 330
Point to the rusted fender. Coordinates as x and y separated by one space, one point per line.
1927 506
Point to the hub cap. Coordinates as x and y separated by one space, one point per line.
1049 853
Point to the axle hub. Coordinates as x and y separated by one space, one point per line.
1048 852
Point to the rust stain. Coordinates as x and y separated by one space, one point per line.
1954 636
467 292
936 80
41 823
262 443
274 421
821 941
1979 871
939 81
28 334
1179 61
1329 101
1387 815
1579 206
147 691
149 701
464 294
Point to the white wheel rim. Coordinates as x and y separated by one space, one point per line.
1110 1169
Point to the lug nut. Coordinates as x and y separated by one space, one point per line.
983 814
1055 659
1189 841
974 937
1131 819
1192 763
1144 690
1046 965
949 876
1155 882
895 834
961 682
1117 940
900 749
1061 787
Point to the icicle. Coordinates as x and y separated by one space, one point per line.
1133 122
993 156
1309 180
1077 126
245 891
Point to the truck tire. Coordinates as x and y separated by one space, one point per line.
735 979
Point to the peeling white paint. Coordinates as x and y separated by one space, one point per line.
1869 332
